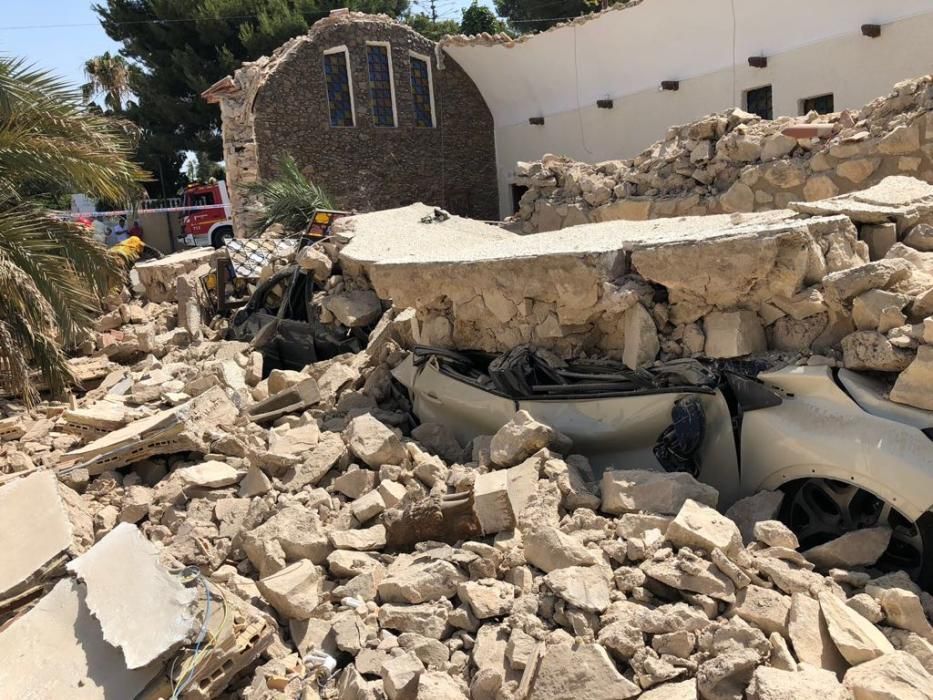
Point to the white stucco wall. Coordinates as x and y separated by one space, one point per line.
813 47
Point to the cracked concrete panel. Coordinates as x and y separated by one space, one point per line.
56 650
142 608
34 528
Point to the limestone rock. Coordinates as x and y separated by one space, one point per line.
641 338
765 608
427 619
584 587
903 609
699 526
683 690
520 438
374 443
420 580
548 549
868 350
806 627
895 676
914 386
855 637
633 490
366 539
846 284
857 548
312 259
774 533
354 309
210 475
585 672
775 684
400 676
437 685
487 597
726 676
920 237
691 573
733 334
294 591
868 307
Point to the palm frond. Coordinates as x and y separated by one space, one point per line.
289 199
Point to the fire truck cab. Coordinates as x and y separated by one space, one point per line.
206 219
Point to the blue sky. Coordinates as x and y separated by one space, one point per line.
62 34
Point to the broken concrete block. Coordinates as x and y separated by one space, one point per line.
209 475
584 671
775 684
869 350
641 338
293 533
855 637
34 529
367 507
294 591
255 483
312 259
691 573
291 400
353 483
361 540
427 619
548 549
633 490
868 307
733 334
726 676
499 496
487 597
416 580
86 667
437 685
354 309
914 386
400 676
903 609
774 533
765 608
894 676
880 274
584 587
520 438
392 492
142 609
879 237
702 527
159 277
374 443
857 548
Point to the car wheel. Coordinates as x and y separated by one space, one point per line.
819 510
222 237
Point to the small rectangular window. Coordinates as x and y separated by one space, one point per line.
381 87
339 86
758 101
821 104
422 92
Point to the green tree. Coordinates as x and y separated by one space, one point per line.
537 15
289 199
182 48
478 19
52 273
431 29
111 77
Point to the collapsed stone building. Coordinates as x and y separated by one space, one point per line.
196 527
362 106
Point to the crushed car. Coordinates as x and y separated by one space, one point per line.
845 456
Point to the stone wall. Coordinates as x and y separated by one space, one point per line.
279 106
842 282
736 162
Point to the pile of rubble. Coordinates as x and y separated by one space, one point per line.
737 162
191 529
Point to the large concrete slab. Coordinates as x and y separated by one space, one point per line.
142 609
34 528
900 199
56 650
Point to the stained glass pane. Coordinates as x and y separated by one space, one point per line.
421 92
337 80
380 85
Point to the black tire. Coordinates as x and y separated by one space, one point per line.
222 236
911 548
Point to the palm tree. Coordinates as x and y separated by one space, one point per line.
53 274
289 199
110 76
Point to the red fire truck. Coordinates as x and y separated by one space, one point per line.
206 219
